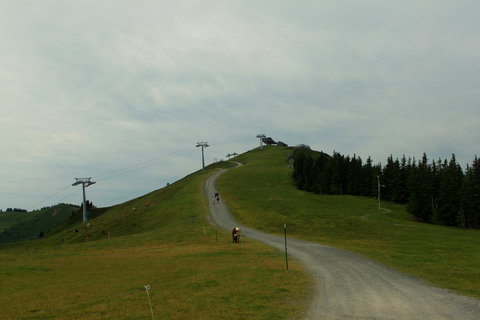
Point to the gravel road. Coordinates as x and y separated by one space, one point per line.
351 287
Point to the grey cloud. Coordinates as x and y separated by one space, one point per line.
95 86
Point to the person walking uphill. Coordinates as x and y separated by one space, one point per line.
236 235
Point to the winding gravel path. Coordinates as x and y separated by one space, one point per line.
351 287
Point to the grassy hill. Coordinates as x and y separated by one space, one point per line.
162 239
20 226
261 194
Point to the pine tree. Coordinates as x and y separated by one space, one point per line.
402 190
298 170
470 197
448 200
367 176
320 166
309 174
354 176
388 179
419 204
337 172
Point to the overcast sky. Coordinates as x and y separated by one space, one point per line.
122 91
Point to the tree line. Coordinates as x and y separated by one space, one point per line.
14 210
438 192
42 209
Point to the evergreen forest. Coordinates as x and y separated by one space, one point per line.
438 192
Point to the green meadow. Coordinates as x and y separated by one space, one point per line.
163 240
261 194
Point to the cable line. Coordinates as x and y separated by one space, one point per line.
131 168
139 165
49 197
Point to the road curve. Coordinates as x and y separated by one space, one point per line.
351 287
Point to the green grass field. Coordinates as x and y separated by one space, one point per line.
166 242
261 194
163 239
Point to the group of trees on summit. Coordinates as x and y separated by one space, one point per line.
14 210
439 192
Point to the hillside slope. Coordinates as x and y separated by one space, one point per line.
350 287
21 226
261 194
162 239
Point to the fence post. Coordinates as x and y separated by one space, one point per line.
286 251
147 287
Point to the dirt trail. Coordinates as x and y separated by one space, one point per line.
351 287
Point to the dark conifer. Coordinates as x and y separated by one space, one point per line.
298 164
470 198
448 193
421 191
367 177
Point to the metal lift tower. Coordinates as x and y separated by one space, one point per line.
85 182
203 145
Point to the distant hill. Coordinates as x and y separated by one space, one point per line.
20 226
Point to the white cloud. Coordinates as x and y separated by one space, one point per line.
90 87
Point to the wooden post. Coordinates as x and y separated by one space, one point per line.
286 251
